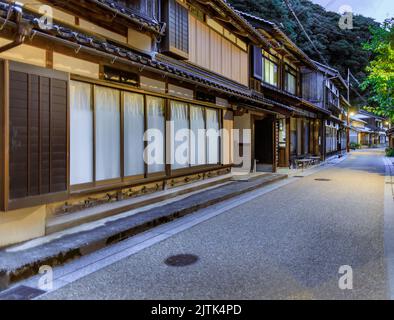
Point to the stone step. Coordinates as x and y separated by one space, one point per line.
66 221
22 261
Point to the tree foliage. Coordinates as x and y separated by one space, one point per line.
342 49
380 79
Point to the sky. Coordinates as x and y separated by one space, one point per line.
377 9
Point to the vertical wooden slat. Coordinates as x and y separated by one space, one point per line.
4 116
68 111
50 134
145 129
93 102
28 133
122 153
39 137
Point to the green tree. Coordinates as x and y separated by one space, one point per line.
342 49
380 79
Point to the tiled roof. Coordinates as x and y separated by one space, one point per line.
81 40
279 34
119 10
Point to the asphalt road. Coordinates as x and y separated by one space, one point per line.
286 244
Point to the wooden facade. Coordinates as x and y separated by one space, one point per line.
87 74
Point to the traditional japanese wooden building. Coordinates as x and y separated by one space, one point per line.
368 129
79 92
331 96
286 75
82 82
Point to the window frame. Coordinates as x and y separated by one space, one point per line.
154 15
274 61
289 70
125 181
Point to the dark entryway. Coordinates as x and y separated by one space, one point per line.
263 144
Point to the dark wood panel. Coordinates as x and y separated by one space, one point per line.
58 135
38 132
18 135
33 134
44 135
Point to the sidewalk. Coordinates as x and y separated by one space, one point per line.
311 169
22 261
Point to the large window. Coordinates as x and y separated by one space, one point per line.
119 134
180 136
270 69
197 126
331 137
133 134
290 80
156 134
213 150
107 117
200 145
81 133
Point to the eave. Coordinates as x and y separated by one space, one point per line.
278 39
315 108
223 12
85 47
109 14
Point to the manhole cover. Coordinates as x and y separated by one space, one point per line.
322 179
21 293
181 260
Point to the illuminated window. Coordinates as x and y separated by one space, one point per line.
270 69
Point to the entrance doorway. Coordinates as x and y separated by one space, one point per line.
263 144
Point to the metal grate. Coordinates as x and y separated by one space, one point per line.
181 260
21 293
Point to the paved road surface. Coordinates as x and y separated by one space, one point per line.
286 244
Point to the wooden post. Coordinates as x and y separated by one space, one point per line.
4 140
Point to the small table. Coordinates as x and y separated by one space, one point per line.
304 163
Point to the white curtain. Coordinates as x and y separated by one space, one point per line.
213 136
198 146
133 134
107 113
81 133
156 120
180 137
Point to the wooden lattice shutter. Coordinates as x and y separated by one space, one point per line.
38 134
176 42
